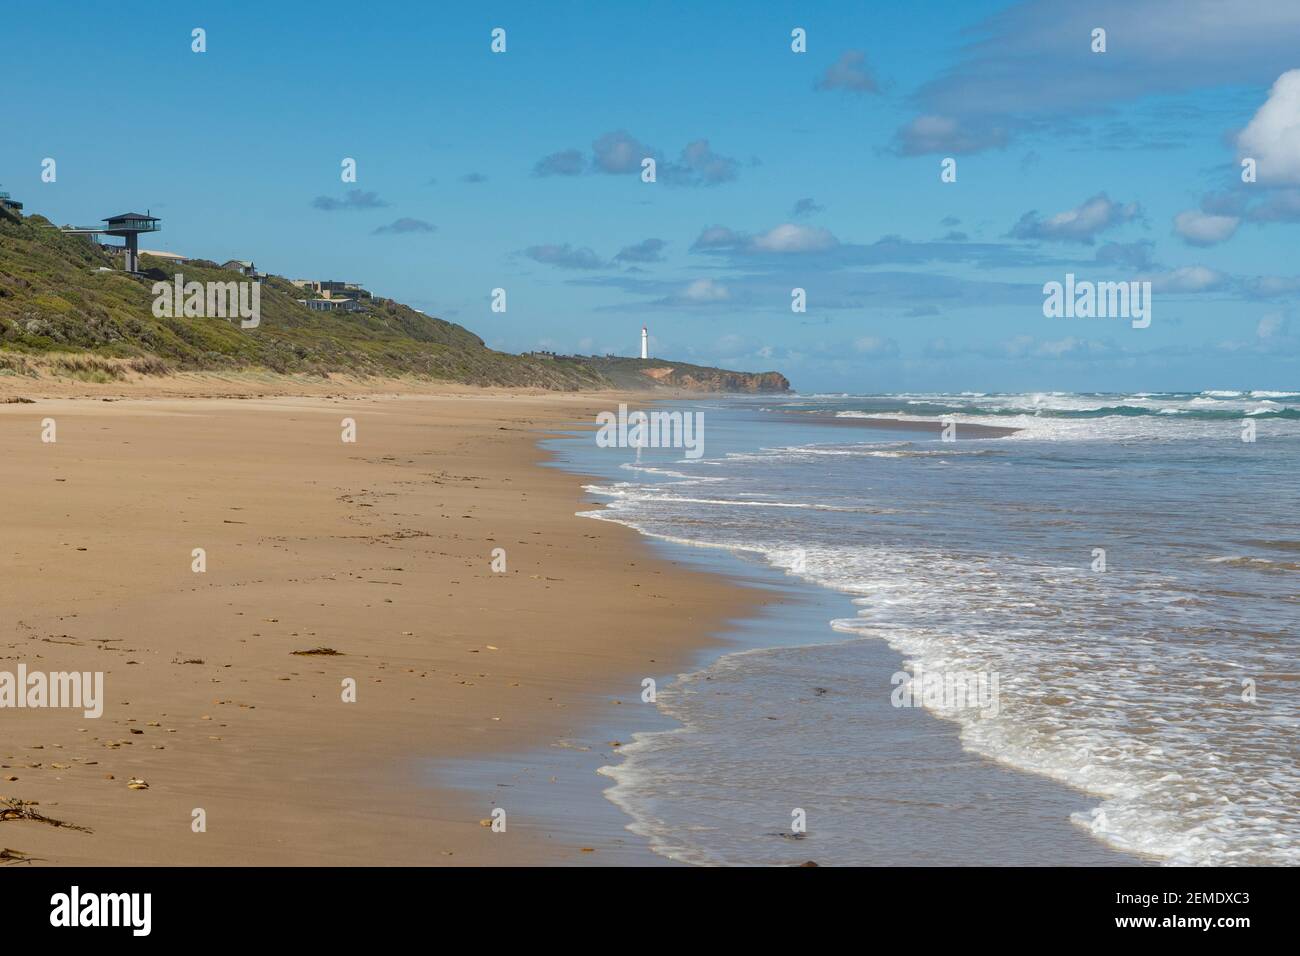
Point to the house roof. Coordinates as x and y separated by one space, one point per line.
128 215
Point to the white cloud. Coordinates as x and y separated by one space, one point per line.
699 165
789 237
565 256
784 238
705 290
1202 229
1070 347
1271 325
1080 224
1186 279
943 134
875 347
1265 287
718 237
1061 347
618 152
1272 137
1027 58
849 73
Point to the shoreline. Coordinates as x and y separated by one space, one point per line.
939 801
380 550
329 549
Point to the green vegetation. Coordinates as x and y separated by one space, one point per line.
636 372
64 305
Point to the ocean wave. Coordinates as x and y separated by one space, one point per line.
858 450
1134 425
1093 696
1068 734
1207 412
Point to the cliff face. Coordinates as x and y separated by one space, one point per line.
635 373
696 379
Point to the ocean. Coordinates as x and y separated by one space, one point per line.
1096 616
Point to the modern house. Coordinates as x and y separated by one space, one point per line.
332 289
333 296
173 257
8 204
243 268
332 305
128 225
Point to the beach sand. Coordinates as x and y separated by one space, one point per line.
380 549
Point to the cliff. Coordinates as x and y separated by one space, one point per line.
657 373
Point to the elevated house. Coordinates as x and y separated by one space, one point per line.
127 226
8 204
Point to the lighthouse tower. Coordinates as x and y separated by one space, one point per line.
645 343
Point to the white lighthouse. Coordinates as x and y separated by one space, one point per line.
645 343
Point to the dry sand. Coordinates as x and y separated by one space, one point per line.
380 550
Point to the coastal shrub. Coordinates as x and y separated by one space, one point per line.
149 365
87 368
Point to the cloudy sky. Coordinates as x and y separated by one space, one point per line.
775 170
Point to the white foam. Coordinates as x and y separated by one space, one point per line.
1070 700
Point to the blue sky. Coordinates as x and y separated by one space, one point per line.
818 170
